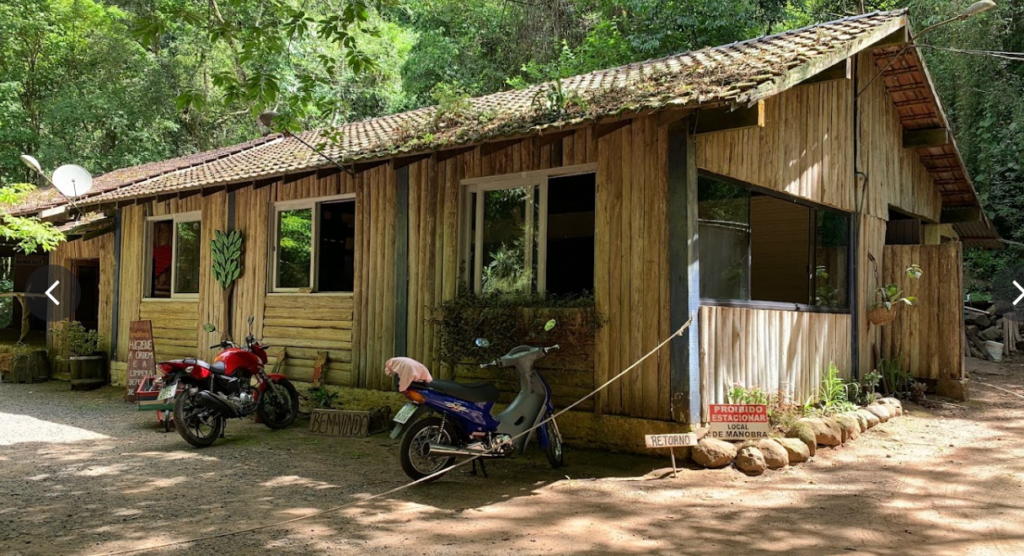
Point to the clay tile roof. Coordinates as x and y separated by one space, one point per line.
735 74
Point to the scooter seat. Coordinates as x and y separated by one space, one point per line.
472 392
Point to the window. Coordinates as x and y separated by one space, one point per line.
755 246
533 233
173 268
314 245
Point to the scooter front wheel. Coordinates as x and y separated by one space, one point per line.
415 459
554 450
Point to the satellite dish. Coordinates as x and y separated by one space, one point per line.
32 163
72 180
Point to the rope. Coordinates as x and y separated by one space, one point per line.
998 388
413 483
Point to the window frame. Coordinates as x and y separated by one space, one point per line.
469 236
314 204
812 223
175 219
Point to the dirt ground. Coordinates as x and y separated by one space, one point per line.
84 473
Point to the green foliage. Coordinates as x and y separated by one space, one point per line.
891 294
510 320
322 398
740 394
74 339
864 392
895 380
226 249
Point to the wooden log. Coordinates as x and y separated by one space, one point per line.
307 343
331 334
309 301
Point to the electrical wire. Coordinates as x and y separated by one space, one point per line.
436 474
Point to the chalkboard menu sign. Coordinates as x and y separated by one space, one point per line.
141 361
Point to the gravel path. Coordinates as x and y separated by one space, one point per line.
82 473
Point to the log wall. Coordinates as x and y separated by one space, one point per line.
781 352
804 150
895 176
101 248
928 337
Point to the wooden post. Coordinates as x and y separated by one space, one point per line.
684 273
115 304
674 472
402 263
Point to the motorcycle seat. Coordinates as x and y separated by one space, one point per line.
218 368
471 392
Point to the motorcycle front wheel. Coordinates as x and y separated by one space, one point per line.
554 450
199 426
278 410
415 461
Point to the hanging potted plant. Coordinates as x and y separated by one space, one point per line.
890 296
86 362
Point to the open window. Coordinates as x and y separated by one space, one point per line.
756 247
173 259
314 245
531 233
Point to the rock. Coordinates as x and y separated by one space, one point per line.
775 456
713 454
804 433
895 406
750 460
991 334
850 426
982 321
862 422
871 417
826 431
796 450
879 411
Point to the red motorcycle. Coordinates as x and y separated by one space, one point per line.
235 385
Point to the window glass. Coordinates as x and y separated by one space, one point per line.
187 245
509 261
570 231
831 259
336 247
162 256
760 247
294 247
724 222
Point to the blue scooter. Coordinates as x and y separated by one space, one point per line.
460 421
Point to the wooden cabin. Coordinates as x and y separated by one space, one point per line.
764 188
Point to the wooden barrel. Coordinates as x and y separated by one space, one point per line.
32 366
87 371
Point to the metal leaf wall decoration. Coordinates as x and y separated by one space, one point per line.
227 257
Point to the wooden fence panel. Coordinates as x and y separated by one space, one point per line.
928 337
782 352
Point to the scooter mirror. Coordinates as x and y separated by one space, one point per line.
252 319
482 342
209 327
550 325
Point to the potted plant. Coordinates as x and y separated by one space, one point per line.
87 364
890 296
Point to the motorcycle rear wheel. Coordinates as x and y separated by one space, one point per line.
195 424
415 462
279 416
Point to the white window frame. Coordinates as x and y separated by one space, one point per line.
175 219
538 178
314 204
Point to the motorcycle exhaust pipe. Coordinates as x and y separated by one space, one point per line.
446 450
216 403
